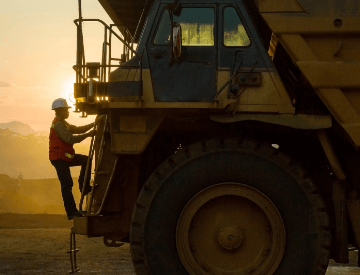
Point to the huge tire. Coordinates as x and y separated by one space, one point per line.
229 207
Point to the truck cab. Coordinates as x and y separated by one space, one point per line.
215 56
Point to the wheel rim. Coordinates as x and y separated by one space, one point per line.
230 229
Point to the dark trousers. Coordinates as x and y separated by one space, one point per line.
63 171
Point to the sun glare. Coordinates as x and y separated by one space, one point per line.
67 90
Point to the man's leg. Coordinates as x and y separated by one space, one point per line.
63 172
81 160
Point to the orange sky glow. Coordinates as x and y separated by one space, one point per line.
38 48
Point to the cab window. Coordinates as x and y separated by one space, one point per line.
234 31
197 25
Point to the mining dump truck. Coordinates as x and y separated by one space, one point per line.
230 143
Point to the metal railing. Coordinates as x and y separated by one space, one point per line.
107 58
105 70
105 62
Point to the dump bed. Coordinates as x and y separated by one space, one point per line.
323 38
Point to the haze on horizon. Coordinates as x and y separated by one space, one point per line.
38 48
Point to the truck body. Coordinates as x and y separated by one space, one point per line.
231 138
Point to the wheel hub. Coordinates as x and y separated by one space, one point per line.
230 229
230 237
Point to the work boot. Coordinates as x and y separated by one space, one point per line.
76 214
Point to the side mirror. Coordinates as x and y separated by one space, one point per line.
177 42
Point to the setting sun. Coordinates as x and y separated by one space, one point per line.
67 90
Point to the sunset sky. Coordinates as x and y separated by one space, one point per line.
38 47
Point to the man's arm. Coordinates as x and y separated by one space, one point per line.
64 133
80 129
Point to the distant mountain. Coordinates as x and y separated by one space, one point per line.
17 127
29 155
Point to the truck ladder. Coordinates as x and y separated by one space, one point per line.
103 175
72 251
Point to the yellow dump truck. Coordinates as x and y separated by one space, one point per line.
232 133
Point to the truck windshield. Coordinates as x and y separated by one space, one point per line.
234 31
197 26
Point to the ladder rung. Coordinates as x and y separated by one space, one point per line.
72 250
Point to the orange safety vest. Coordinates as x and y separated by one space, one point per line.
59 149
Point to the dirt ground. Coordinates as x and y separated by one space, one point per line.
41 251
38 244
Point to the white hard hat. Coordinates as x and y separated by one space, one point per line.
59 103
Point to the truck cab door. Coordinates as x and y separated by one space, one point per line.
256 86
192 78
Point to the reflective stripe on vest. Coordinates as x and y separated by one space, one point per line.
69 155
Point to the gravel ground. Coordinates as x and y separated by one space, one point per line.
41 251
26 247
